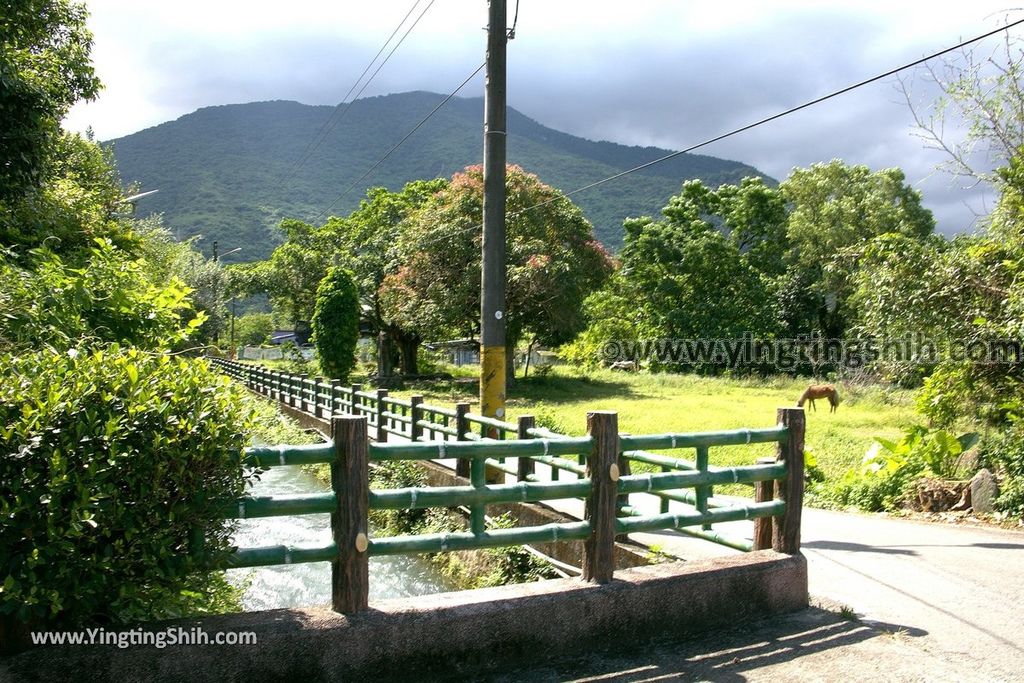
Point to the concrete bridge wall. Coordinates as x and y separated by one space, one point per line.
451 633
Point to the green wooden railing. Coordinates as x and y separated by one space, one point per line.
601 476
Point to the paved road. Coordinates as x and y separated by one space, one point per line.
960 588
955 592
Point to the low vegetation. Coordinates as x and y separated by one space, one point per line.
464 569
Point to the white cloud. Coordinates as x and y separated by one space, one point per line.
656 72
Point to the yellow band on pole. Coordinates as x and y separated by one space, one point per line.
492 381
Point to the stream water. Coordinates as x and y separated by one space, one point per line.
305 585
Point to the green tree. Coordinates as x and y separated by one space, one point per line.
365 243
44 69
112 485
254 329
292 273
691 280
752 215
553 263
107 298
836 210
704 271
336 323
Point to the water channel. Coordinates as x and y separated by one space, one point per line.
305 585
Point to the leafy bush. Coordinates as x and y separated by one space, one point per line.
890 469
946 394
1004 453
254 329
114 465
49 302
336 323
401 474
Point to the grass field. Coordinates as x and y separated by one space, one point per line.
656 403
662 403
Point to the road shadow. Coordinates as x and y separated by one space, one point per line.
998 546
857 547
903 549
724 656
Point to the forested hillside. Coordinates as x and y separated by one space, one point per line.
228 172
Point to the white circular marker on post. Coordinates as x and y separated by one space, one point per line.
362 542
613 472
498 315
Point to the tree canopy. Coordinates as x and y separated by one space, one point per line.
44 69
553 262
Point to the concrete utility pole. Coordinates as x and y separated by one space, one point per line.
492 280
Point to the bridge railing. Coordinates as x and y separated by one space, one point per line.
415 420
405 418
603 485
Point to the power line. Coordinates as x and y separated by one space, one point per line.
323 126
399 144
759 122
332 121
779 115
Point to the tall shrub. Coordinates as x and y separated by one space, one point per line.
114 467
336 322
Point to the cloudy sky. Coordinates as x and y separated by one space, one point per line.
647 72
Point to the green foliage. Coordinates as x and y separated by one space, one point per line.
946 396
553 262
44 69
967 291
703 271
890 468
254 329
77 201
1003 452
365 243
221 167
980 87
477 569
513 564
836 210
752 215
47 302
401 474
115 462
336 323
268 425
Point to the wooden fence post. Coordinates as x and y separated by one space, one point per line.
764 491
602 469
356 388
316 397
334 394
303 379
415 414
350 570
382 434
786 529
462 465
524 466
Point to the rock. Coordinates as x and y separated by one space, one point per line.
983 491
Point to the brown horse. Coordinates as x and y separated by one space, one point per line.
814 391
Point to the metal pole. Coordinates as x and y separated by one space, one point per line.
492 281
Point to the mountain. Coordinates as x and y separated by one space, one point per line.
228 172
